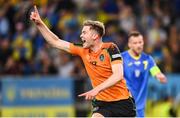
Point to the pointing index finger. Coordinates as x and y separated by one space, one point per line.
83 94
35 8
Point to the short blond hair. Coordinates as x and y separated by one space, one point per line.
95 25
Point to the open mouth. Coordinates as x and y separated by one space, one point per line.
83 41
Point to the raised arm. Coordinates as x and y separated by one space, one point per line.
49 36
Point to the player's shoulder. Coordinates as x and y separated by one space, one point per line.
125 52
111 48
146 55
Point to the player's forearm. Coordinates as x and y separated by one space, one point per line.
51 38
155 71
109 82
112 80
47 34
161 77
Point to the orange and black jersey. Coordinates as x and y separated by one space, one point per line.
98 66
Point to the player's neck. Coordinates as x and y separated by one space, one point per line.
97 46
134 54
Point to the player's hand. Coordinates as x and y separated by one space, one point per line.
90 95
35 16
161 77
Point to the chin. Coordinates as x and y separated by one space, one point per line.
137 52
85 46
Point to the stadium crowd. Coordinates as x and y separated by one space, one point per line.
23 51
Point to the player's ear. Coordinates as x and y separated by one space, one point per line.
95 36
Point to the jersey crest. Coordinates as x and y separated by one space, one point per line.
101 57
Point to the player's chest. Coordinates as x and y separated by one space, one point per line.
97 59
137 64
137 67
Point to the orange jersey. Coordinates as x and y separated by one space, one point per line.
98 67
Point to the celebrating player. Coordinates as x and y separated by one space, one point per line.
103 63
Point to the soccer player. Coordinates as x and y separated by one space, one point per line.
110 96
137 68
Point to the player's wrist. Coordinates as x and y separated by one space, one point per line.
39 22
98 89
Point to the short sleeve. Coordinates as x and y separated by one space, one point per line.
154 69
76 49
151 62
115 54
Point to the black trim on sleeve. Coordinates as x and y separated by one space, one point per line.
114 53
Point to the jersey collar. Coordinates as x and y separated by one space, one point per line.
134 57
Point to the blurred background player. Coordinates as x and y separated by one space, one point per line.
137 67
103 64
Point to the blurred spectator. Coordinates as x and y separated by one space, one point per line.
71 32
5 50
78 70
66 65
127 19
157 19
121 40
12 67
44 62
176 55
156 34
22 45
81 83
4 23
111 31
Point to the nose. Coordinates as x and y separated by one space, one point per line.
81 36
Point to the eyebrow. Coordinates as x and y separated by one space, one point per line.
83 31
